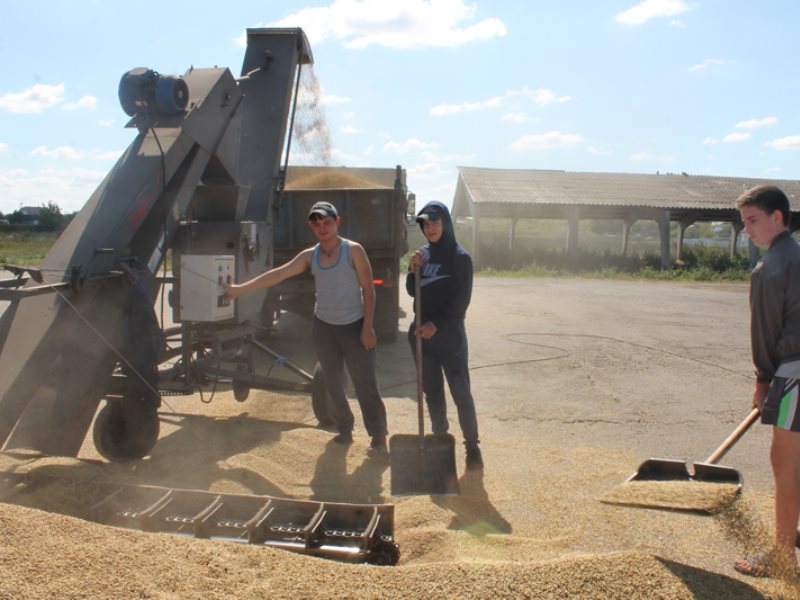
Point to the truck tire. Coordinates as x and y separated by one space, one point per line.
387 312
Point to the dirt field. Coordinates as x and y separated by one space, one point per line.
576 382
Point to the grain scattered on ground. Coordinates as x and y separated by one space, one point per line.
707 497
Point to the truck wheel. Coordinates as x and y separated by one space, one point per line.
125 430
387 311
240 391
320 401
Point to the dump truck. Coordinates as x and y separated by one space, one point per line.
374 206
129 305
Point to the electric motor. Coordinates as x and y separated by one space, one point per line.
143 90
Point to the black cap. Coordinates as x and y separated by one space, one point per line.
323 209
429 213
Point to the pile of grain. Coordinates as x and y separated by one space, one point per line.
525 529
710 497
44 555
330 179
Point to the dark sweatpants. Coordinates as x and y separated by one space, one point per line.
446 355
339 345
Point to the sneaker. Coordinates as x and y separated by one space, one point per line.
345 439
474 459
378 446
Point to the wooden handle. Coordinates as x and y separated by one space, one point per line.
733 437
418 348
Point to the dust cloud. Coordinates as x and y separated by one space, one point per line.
310 134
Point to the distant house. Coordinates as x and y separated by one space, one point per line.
30 215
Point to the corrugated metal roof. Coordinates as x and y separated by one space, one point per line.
530 186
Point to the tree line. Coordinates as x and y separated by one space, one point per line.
48 217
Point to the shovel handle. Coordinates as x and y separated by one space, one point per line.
418 349
733 437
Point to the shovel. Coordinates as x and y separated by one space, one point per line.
422 464
664 469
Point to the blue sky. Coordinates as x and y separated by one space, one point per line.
708 87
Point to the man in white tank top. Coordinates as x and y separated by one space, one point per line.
343 329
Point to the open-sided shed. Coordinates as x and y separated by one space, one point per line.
539 194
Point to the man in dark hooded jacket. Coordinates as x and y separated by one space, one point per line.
446 289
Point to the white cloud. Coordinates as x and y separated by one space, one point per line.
739 136
67 152
444 109
350 129
710 141
709 62
33 100
68 188
772 170
546 141
543 96
403 25
89 102
599 151
3 147
410 145
756 123
791 142
449 109
515 117
106 122
340 157
540 96
651 9
677 23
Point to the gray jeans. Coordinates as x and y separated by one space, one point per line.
340 345
446 355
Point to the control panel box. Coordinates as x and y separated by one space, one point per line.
202 287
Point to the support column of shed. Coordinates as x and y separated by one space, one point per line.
736 229
511 231
663 234
682 225
573 216
476 222
626 233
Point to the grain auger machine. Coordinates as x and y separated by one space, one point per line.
188 207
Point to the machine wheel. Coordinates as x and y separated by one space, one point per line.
240 391
125 430
384 554
320 401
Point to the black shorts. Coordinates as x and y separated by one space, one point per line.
781 405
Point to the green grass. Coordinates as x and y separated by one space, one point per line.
24 248
29 248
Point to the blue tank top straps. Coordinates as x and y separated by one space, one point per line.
339 298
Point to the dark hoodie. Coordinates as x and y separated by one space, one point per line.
446 274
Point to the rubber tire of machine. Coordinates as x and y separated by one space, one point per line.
125 433
320 400
241 390
384 554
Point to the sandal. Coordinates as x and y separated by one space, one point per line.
764 564
754 566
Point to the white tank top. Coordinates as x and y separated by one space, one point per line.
339 300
